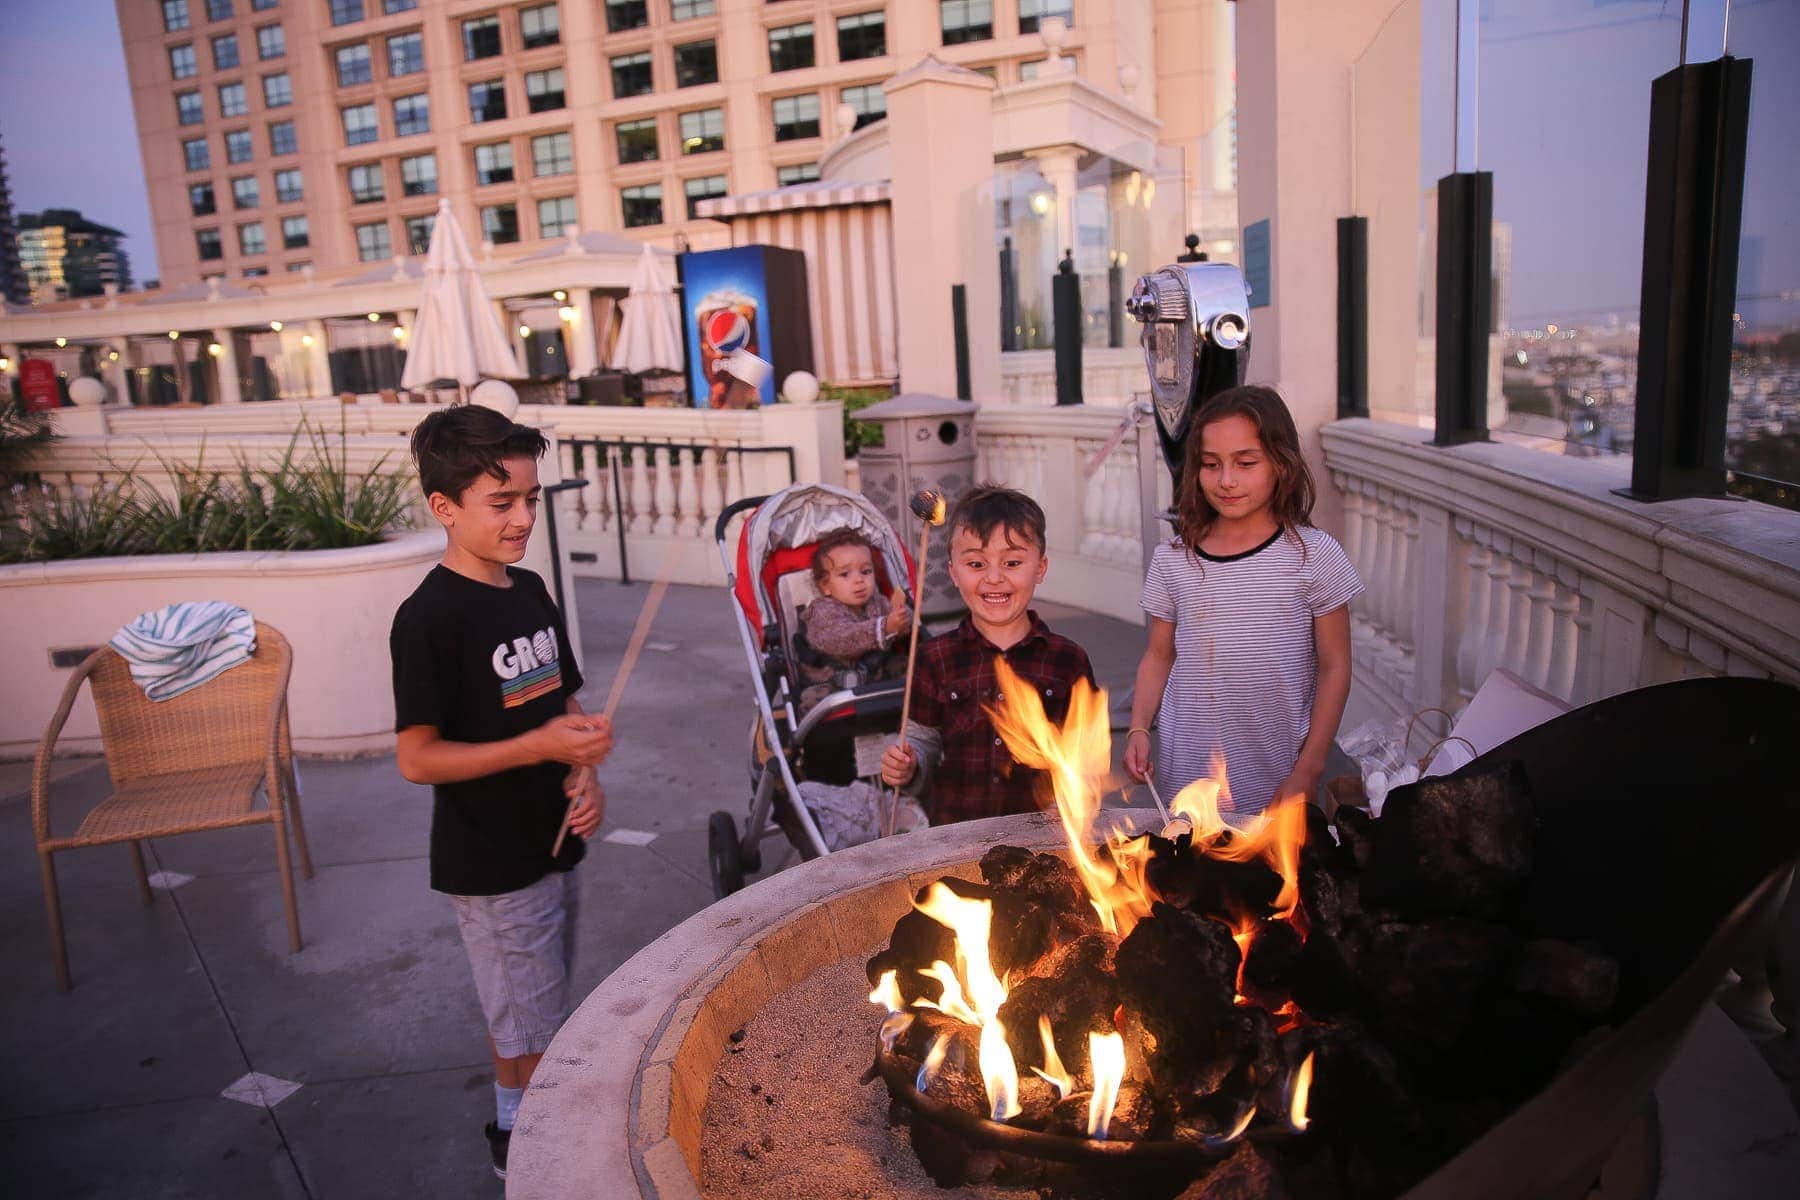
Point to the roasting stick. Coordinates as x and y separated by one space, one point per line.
633 648
928 506
1161 808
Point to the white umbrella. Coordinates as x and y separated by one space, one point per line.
457 334
650 336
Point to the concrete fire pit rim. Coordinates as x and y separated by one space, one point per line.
579 1130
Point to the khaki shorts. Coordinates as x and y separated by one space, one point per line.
521 945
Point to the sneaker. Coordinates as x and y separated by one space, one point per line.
498 1139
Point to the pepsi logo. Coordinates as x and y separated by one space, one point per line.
727 331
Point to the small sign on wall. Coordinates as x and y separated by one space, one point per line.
37 384
1256 264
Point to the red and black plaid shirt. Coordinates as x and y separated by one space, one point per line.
955 678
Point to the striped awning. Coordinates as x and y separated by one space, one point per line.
818 193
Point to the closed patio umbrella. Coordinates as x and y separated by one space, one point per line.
650 336
457 334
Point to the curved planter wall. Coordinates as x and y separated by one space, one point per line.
334 606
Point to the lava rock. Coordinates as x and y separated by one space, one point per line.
1360 1091
1425 981
1271 962
1461 844
1578 979
1075 987
1356 834
1246 1175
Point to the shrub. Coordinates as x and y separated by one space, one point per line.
857 434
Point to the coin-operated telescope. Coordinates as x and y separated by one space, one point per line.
1196 340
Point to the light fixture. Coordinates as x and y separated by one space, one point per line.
61 342
374 317
214 349
567 313
1040 203
1149 191
1123 259
306 339
559 295
524 331
174 335
275 325
112 356
399 333
5 364
1134 185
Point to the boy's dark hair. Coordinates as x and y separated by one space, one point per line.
455 446
837 539
988 506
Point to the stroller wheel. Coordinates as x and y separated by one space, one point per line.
724 854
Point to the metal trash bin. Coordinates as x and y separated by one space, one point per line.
926 442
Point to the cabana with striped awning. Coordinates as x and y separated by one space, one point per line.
846 233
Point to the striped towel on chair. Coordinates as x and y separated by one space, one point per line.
178 648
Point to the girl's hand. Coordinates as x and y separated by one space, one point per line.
1137 755
1300 782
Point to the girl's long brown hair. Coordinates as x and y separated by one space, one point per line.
1293 499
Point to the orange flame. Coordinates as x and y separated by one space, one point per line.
887 992
1106 1051
1274 835
1053 1070
1302 1086
974 978
1243 932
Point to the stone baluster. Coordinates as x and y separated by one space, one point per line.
1381 581
595 497
1123 493
1493 641
1354 542
665 492
1565 633
1543 620
1406 560
1587 687
687 481
734 477
1475 609
1518 612
1093 507
640 489
712 499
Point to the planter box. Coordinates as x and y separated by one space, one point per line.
334 606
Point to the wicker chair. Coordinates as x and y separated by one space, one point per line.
191 763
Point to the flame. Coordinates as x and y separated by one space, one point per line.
887 992
892 1026
974 979
1053 1070
1274 835
1302 1086
934 1058
1107 1052
1237 1131
1242 932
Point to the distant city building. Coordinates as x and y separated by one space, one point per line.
13 287
66 256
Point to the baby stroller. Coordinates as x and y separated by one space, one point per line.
769 577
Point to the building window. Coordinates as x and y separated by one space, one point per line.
255 272
1030 70
195 154
353 65
687 10
200 199
544 90
540 26
175 15
500 224
232 102
641 205
796 173
556 216
182 63
343 12
359 124
373 243
791 47
251 239
552 154
412 114
390 7
696 63
295 233
367 184
189 108
702 131
225 51
869 101
244 192
494 163
1033 12
290 186
418 233
263 5
481 38
637 140
631 75
700 189
282 139
237 146
406 54
487 101
270 42
863 35
626 14
278 91
294 268
218 10
209 245
796 117
418 175
966 20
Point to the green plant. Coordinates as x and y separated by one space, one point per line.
326 507
857 434
105 522
22 434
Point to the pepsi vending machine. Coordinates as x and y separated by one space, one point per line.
745 298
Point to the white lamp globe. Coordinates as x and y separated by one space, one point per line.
87 391
801 387
496 394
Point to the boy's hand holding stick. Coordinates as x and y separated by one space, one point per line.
928 506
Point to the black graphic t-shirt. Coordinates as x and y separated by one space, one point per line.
483 664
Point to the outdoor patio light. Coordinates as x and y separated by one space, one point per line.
567 314
5 364
374 317
399 333
275 325
306 339
214 349
112 356
61 342
174 335
559 295
524 331
1040 203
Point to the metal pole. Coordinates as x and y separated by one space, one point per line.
617 461
550 494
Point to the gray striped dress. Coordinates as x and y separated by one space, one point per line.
1245 666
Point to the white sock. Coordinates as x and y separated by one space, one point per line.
506 1105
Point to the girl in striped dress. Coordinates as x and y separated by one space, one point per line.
1248 661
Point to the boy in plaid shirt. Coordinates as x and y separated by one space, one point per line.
951 755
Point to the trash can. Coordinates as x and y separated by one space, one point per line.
926 442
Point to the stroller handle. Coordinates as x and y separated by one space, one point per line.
732 510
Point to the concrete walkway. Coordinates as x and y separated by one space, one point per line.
116 1089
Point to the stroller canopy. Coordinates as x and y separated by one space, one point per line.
778 536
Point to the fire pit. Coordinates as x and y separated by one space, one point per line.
618 1106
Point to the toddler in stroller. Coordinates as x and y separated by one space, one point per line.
851 634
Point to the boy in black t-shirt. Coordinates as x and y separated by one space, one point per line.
485 709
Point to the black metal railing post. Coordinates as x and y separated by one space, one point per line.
1465 304
1353 317
1065 301
549 496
